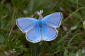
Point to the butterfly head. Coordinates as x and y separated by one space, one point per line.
40 14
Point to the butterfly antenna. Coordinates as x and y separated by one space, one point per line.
40 14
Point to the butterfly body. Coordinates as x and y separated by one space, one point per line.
40 23
42 29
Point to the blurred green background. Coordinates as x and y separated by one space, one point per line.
71 37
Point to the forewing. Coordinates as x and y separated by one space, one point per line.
34 34
54 19
48 33
25 24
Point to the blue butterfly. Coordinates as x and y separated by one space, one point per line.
41 29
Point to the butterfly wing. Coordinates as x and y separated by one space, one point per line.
48 33
34 34
25 24
54 19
